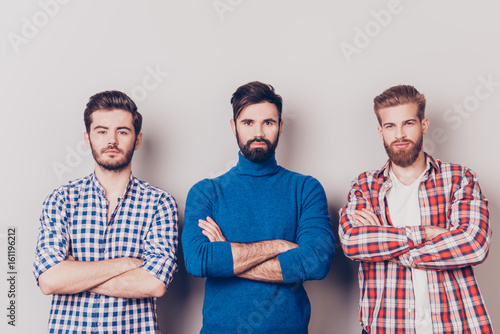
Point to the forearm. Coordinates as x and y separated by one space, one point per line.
268 271
70 277
136 283
248 255
451 250
379 243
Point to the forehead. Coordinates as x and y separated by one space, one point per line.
399 113
112 118
259 111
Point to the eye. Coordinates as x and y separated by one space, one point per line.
101 132
123 133
389 126
247 122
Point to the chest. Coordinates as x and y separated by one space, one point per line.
253 211
100 231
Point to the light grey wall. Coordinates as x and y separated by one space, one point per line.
328 59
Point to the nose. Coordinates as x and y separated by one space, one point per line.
400 133
258 131
112 138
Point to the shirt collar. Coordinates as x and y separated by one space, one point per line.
248 167
97 185
431 165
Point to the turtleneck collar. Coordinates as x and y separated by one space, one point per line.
248 167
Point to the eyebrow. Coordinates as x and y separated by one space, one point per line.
107 128
252 120
406 120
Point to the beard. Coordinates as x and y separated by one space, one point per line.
113 166
258 154
405 157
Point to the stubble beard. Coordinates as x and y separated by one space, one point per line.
112 166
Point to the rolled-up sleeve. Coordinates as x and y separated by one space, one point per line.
160 247
53 237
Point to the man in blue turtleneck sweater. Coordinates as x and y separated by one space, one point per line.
258 231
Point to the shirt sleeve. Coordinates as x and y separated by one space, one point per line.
202 257
160 247
311 260
373 242
468 241
53 237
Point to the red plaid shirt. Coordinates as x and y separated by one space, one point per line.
449 197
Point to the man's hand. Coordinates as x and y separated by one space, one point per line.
211 229
366 217
433 231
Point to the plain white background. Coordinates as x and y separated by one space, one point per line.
182 60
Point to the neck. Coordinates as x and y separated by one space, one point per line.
113 182
407 175
248 167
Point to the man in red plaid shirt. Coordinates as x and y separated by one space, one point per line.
416 226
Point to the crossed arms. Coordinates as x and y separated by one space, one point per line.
58 272
208 254
119 277
464 242
256 260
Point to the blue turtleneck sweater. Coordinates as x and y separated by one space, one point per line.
254 202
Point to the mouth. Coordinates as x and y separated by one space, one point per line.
259 144
402 145
111 151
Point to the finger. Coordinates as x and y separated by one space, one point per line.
207 227
369 216
210 237
370 213
213 230
360 220
209 219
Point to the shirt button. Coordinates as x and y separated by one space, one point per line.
105 251
98 324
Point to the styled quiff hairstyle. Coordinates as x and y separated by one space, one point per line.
253 93
398 95
110 100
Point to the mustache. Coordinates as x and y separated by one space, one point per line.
399 141
262 140
111 147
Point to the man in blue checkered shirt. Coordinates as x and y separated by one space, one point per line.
107 242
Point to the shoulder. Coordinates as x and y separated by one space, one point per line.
305 181
70 189
453 172
146 189
449 168
369 177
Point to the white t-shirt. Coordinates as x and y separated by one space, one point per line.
404 210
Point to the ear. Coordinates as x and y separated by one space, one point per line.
425 126
281 128
233 126
379 129
138 141
87 139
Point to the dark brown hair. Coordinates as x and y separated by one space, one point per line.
398 95
253 93
110 100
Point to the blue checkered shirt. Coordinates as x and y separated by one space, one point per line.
74 221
